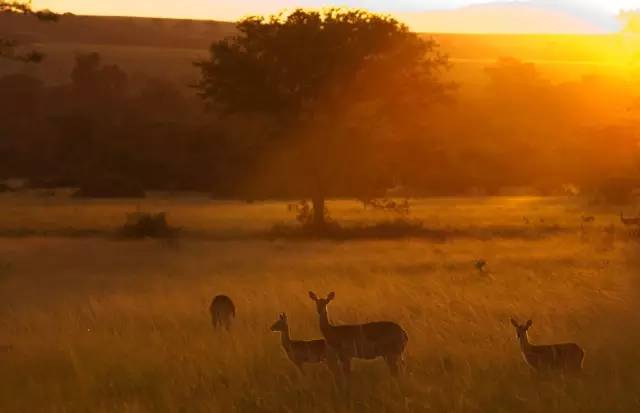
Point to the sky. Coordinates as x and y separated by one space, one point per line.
576 15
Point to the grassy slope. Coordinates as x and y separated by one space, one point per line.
123 326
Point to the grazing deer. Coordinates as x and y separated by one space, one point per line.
588 219
629 221
299 352
366 341
222 311
566 358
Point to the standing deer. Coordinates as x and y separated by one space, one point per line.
299 352
366 341
566 358
222 311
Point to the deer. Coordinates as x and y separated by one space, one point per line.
365 341
298 351
565 358
222 311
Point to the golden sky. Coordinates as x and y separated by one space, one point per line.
423 15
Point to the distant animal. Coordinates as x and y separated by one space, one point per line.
629 221
222 311
366 341
588 219
481 265
526 220
299 352
565 358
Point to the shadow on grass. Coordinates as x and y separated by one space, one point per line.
403 228
386 230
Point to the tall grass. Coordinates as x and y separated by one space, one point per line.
104 326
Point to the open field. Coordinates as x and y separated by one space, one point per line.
103 325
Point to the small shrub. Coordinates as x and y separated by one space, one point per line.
389 205
146 225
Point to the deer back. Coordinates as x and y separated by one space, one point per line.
367 340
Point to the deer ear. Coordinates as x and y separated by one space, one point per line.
514 322
313 296
284 316
529 323
331 296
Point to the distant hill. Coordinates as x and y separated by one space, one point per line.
166 48
121 31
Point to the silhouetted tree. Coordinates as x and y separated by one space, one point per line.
8 47
311 71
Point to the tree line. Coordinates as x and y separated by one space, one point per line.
316 105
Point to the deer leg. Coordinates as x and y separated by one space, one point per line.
346 366
334 365
392 362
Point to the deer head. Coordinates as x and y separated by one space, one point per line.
521 329
321 303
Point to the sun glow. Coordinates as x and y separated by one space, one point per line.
532 16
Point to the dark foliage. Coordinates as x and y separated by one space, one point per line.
322 96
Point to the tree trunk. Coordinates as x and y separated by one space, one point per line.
318 211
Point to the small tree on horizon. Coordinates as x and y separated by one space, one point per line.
327 79
8 47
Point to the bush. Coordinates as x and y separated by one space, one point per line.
146 225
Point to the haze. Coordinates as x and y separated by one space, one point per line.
463 16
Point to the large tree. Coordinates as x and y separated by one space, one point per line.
338 83
9 47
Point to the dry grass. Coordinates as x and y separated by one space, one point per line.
121 326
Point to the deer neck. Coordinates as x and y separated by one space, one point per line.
325 326
284 337
525 345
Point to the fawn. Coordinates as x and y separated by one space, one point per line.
366 341
566 358
222 311
298 351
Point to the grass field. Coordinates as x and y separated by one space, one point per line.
106 325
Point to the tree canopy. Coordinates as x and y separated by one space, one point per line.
329 78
